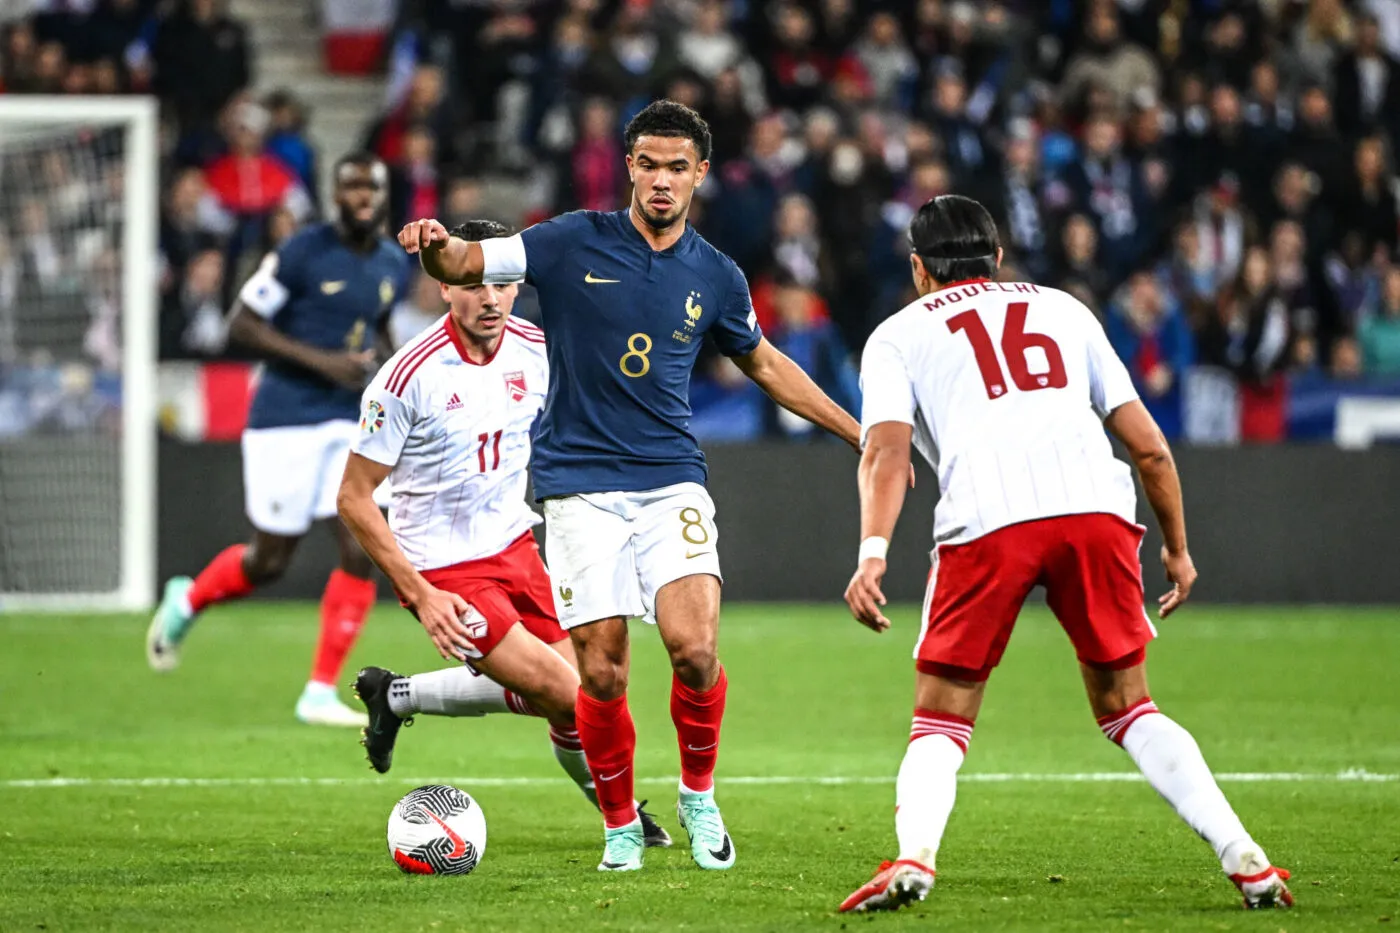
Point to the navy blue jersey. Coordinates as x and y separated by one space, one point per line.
623 325
317 290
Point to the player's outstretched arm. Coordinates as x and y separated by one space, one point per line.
786 383
446 258
1135 428
883 477
439 612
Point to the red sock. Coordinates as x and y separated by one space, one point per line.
222 579
697 717
344 605
609 742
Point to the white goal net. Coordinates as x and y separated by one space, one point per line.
78 214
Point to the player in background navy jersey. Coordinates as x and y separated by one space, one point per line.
626 299
314 310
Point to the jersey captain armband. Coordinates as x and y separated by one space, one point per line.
503 260
263 294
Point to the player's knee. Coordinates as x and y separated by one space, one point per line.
696 664
603 678
263 565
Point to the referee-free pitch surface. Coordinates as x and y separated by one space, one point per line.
133 801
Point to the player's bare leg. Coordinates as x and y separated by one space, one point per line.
345 603
687 615
609 737
945 710
1172 763
235 572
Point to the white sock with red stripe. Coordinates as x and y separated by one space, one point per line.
1172 762
454 691
928 782
568 751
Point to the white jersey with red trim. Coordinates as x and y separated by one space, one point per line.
1006 385
457 435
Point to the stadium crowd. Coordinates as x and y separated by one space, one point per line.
1215 178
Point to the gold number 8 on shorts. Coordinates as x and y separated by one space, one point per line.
692 520
635 352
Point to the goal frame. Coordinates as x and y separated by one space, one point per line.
141 217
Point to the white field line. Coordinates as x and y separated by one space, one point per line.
1351 775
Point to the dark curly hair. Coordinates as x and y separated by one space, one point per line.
474 231
669 118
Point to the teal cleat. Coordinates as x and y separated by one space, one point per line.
623 848
710 844
169 626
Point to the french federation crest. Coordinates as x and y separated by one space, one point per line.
386 292
515 386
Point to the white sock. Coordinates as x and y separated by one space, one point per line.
1172 762
454 691
924 795
568 751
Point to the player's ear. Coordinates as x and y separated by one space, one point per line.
701 171
444 291
1000 254
916 268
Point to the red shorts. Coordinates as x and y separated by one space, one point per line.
506 588
1089 567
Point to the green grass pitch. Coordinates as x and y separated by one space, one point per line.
1268 693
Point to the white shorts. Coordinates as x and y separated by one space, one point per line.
291 475
608 553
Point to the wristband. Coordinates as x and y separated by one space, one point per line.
873 546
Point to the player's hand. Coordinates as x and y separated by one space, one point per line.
864 597
422 235
1181 574
441 614
352 370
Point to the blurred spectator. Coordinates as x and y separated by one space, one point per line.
597 167
1250 336
1108 61
419 310
1190 274
966 152
1078 269
1367 203
184 225
1367 84
797 68
1019 203
201 59
1221 228
631 65
192 316
1106 186
1380 333
413 180
462 201
249 181
891 67
1152 338
803 331
708 46
1325 29
741 215
287 139
424 104
1315 143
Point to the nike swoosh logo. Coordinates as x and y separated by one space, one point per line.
612 777
591 279
724 851
332 288
703 748
459 845
692 555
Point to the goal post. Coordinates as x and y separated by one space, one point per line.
79 213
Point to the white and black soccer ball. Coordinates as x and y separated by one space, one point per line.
437 830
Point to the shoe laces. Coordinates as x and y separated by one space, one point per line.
702 820
623 847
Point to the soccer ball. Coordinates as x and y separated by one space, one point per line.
437 830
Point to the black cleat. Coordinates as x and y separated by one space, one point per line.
372 687
653 832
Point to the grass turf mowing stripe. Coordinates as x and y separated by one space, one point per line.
1351 775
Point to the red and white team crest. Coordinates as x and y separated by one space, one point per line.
515 385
